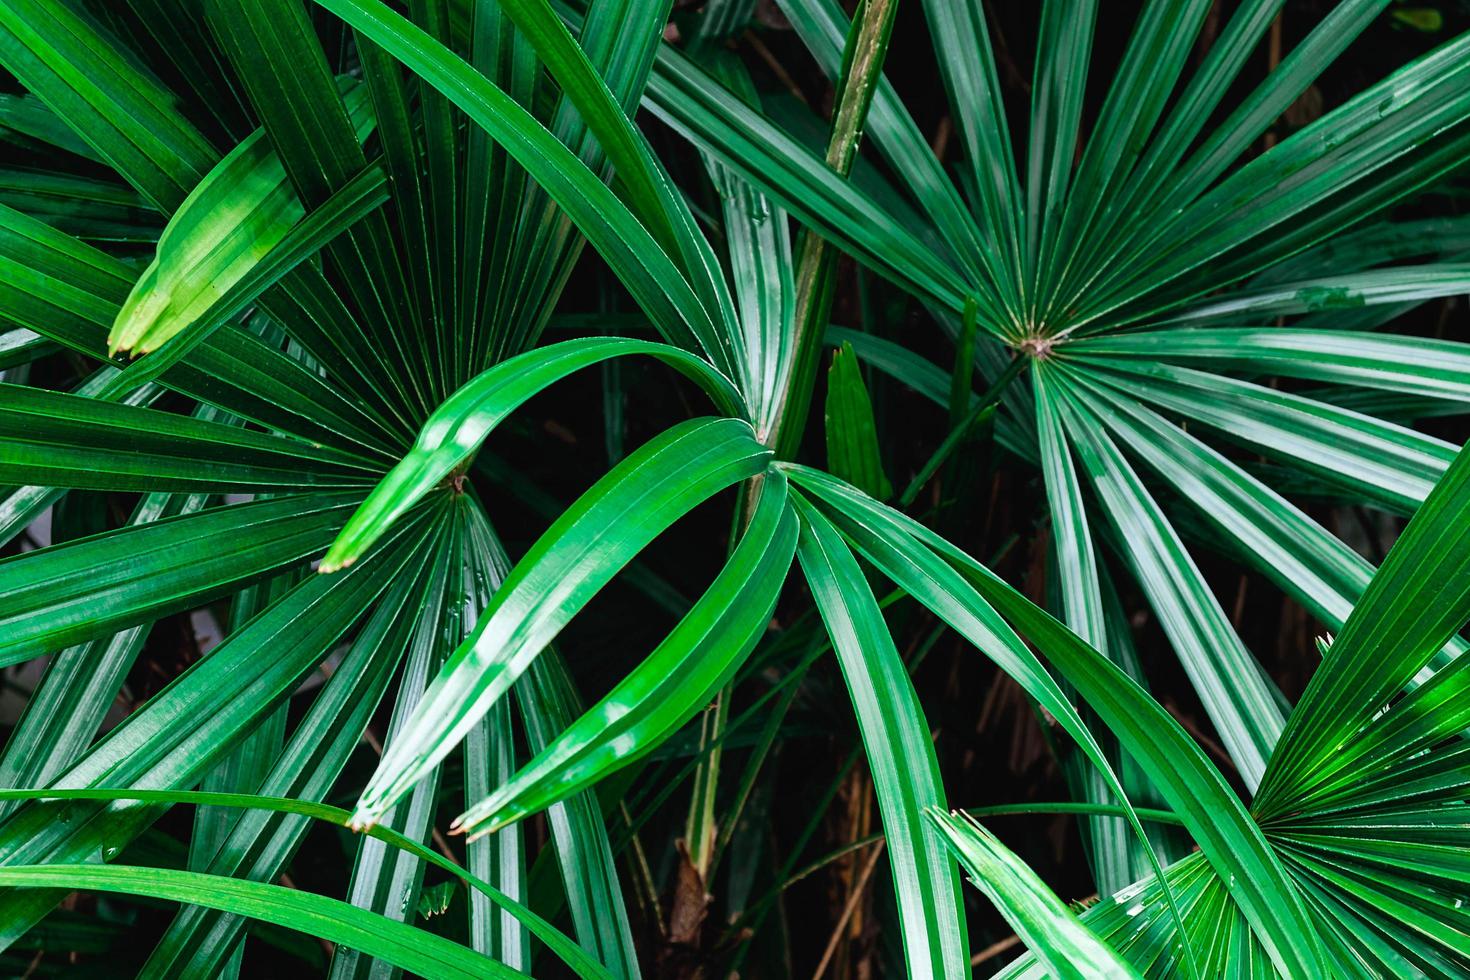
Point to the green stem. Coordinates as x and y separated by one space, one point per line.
862 64
867 44
982 409
962 379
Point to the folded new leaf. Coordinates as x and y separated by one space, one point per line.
228 223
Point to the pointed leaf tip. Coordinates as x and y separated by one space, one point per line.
852 434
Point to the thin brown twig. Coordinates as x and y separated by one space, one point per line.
1239 612
942 134
995 949
1211 746
853 898
326 944
644 890
771 62
1208 34
1010 71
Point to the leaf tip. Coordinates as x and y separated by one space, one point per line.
330 564
363 819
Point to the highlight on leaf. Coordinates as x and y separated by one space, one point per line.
1050 929
229 222
1154 337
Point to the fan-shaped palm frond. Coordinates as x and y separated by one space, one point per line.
330 242
1139 271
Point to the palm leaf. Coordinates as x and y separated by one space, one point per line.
1067 947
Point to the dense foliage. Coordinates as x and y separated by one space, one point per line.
958 414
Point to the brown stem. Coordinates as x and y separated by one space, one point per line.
853 898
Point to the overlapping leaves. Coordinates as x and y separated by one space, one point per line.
373 311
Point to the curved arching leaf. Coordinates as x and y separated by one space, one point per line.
457 427
899 751
174 738
1069 949
664 691
614 520
539 927
1193 787
886 542
406 946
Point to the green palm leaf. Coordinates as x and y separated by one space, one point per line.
1067 947
346 241
905 772
612 522
674 681
404 946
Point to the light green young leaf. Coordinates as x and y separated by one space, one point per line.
673 682
594 538
1048 928
69 292
461 424
241 210
353 202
